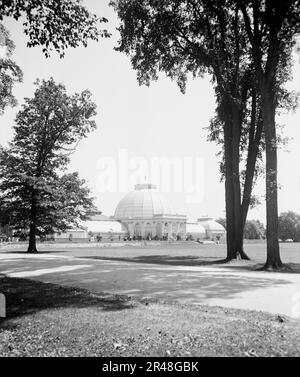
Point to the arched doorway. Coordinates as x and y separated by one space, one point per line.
174 229
159 230
138 230
148 231
182 229
167 230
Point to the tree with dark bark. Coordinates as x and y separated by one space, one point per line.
55 25
271 27
244 168
10 72
183 37
34 192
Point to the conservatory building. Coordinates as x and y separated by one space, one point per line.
146 213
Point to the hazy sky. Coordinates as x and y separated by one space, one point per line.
145 124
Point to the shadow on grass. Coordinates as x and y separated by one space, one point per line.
186 285
288 268
186 260
192 260
16 251
24 296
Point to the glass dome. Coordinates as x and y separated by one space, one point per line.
143 203
211 225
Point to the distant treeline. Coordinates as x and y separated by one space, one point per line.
288 227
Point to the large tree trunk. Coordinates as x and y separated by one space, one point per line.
237 209
32 239
238 223
268 112
234 228
255 134
32 234
230 231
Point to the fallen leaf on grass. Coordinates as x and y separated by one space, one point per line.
251 353
280 319
120 346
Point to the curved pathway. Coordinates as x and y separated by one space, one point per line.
210 285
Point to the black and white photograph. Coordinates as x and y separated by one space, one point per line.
149 182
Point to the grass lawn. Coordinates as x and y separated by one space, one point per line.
173 253
176 253
50 320
290 252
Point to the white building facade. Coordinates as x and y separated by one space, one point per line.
146 213
205 228
97 228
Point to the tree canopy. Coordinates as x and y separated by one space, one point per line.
35 191
10 72
254 230
187 38
271 27
55 25
289 226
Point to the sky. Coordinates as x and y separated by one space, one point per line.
146 134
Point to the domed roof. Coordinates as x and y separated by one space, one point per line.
143 203
211 225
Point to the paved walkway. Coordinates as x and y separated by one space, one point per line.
272 292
